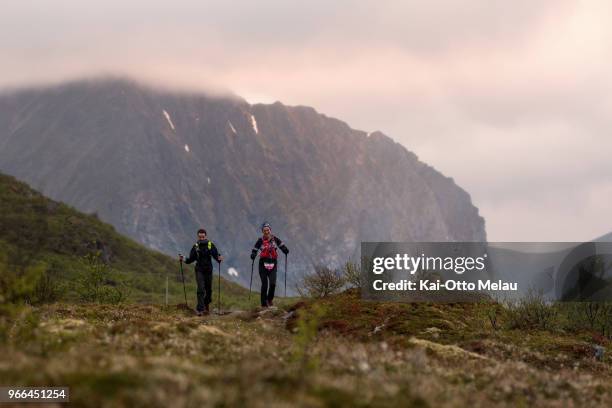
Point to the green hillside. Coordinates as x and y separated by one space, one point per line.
51 252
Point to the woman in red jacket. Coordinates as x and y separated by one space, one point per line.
267 247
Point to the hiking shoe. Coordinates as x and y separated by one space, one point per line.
206 309
199 313
270 303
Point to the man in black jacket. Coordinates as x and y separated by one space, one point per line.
201 253
266 246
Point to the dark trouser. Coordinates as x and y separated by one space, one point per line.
268 281
204 292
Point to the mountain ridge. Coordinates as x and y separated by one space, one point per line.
158 165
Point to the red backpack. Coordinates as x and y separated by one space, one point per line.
268 248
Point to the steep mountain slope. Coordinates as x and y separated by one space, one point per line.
157 165
46 242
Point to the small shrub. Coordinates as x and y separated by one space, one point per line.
532 312
323 282
98 283
352 274
26 282
593 316
47 289
594 312
493 314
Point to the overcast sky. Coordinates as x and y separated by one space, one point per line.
513 99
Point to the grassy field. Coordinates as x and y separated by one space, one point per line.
340 351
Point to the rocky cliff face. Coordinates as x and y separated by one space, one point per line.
158 165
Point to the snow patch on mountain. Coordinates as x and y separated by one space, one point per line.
232 272
254 124
231 127
169 120
187 148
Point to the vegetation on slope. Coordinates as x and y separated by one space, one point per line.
50 252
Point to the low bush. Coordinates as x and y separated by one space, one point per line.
324 281
352 274
592 316
99 283
532 312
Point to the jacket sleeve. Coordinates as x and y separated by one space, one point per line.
282 246
256 248
215 252
192 256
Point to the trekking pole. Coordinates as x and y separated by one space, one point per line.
183 278
251 283
285 275
166 290
219 300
